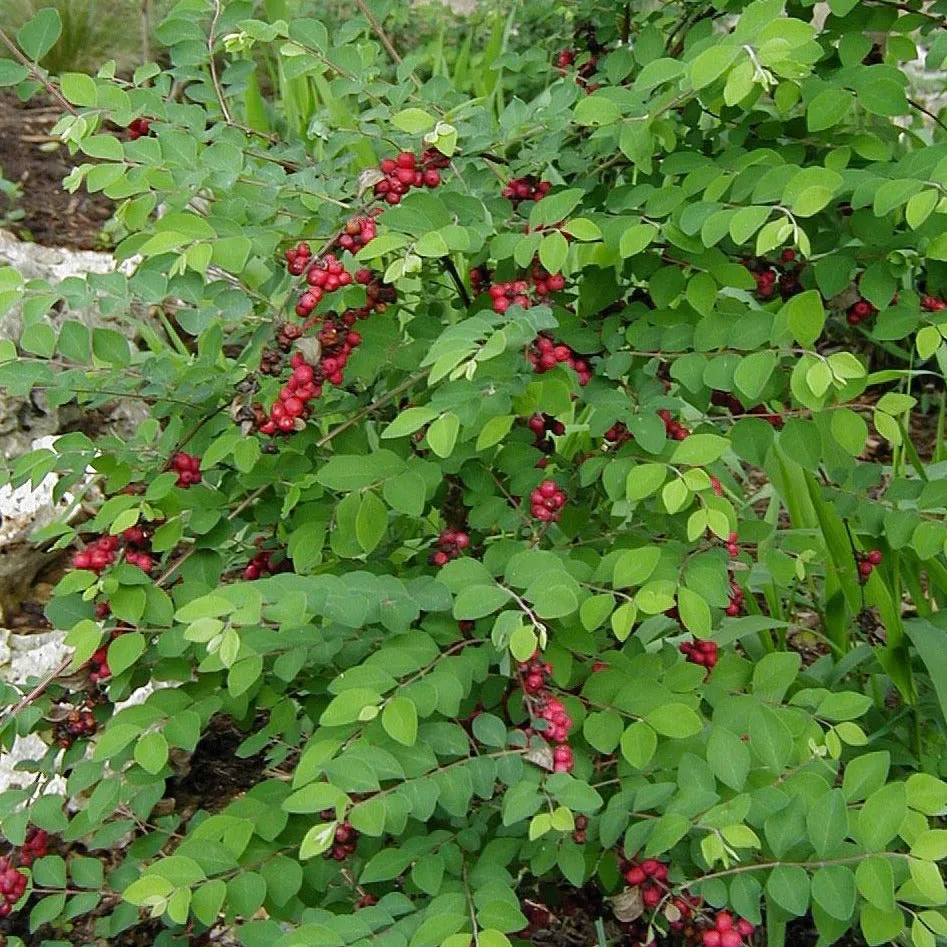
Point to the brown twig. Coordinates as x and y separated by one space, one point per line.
379 31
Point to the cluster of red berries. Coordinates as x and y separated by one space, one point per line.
784 275
649 875
545 354
579 834
543 425
97 555
933 304
99 669
450 544
716 486
866 564
12 881
736 600
367 900
727 931
187 467
326 275
298 258
346 839
618 434
543 706
703 653
78 723
407 171
527 188
565 59
520 292
860 312
136 538
138 128
262 564
535 673
733 545
546 502
674 429
358 231
306 381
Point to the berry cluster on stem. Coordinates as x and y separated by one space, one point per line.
450 544
557 724
546 501
407 171
358 231
703 653
783 276
187 467
326 275
733 545
866 564
618 434
101 552
138 128
859 312
933 304
523 292
737 597
13 881
262 563
674 429
648 875
545 354
80 722
526 188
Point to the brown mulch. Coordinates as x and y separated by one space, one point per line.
37 163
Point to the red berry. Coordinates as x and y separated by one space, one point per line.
875 557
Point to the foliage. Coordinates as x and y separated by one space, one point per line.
739 265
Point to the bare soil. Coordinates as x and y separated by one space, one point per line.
36 161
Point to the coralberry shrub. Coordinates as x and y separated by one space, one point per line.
542 473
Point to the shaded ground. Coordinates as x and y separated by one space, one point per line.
37 164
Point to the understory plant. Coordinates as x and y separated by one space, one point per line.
542 475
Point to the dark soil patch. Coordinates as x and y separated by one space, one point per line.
215 774
32 159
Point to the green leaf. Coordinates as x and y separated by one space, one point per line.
414 121
479 600
151 752
638 744
371 522
874 878
711 64
38 36
400 720
317 840
805 316
79 89
596 110
700 449
675 720
881 816
442 434
833 889
827 823
788 886
729 758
